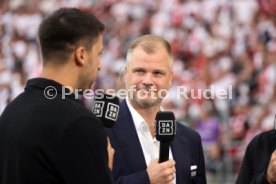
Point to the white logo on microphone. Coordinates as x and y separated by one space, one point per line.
166 127
112 111
98 109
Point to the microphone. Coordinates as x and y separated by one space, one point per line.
165 130
106 107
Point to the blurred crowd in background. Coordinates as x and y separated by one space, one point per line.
227 44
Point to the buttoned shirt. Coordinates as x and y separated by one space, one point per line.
149 144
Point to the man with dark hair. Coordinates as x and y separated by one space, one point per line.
46 134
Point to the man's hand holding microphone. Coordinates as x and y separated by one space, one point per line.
162 171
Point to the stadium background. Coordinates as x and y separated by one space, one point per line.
217 43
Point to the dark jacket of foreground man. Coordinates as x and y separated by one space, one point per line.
53 141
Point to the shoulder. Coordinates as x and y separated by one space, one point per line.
262 139
83 131
85 124
187 132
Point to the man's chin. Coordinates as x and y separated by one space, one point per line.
147 102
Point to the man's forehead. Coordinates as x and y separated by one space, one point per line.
153 50
148 66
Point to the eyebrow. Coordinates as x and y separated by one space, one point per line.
155 70
161 71
137 68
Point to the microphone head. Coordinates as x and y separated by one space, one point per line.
165 126
106 107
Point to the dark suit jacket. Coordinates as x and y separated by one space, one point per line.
129 165
257 158
55 141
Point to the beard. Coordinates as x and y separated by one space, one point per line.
144 103
145 98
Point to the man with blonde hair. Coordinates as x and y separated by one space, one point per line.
148 73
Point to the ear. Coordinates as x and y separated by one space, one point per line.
81 56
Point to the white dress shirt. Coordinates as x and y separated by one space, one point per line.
150 145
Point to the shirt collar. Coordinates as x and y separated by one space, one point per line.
43 84
138 120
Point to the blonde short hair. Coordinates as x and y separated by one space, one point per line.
150 44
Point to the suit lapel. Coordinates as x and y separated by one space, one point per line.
125 133
180 152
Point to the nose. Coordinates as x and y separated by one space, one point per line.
148 81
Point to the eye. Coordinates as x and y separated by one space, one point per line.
158 73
